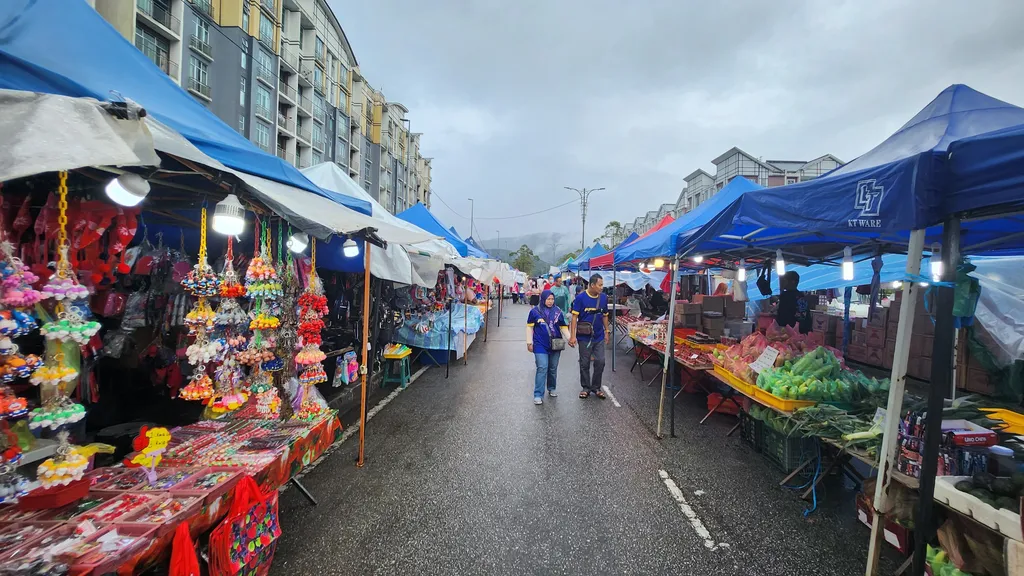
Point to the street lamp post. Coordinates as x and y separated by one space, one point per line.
584 197
499 242
471 206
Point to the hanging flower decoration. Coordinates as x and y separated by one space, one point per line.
17 281
200 387
202 283
312 307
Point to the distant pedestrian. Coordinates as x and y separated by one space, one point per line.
515 293
534 293
562 297
546 335
588 326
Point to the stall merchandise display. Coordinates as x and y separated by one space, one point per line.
312 309
230 322
202 283
649 332
263 286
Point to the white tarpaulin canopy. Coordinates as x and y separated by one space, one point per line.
412 264
48 133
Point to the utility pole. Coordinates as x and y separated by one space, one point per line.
584 197
499 241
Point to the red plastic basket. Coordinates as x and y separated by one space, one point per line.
55 497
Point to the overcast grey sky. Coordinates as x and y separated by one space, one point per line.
518 98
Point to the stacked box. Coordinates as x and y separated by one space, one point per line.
735 310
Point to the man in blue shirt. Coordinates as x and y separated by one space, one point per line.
588 327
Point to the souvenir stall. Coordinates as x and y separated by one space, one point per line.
443 320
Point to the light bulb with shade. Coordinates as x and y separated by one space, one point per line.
780 263
128 189
847 263
698 258
897 284
658 262
229 216
741 273
297 242
936 262
350 249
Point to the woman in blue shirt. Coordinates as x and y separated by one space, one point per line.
545 323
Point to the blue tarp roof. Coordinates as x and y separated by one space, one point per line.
596 250
898 186
471 248
632 237
987 170
667 241
473 243
420 216
67 48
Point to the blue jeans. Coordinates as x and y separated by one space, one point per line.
547 371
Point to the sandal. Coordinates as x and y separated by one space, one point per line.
584 395
600 395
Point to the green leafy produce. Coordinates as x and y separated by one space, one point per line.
819 376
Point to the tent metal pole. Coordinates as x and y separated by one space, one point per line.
669 342
448 350
614 299
942 378
465 329
487 302
898 382
366 351
671 350
501 296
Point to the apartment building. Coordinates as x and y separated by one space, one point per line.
735 163
283 74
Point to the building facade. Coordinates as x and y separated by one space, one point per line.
283 74
699 186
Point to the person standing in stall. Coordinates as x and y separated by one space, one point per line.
561 292
588 326
546 334
793 309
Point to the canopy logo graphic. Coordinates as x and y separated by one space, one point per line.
869 202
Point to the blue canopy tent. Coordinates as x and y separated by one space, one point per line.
472 250
67 48
874 201
420 216
606 261
474 244
565 265
584 258
668 240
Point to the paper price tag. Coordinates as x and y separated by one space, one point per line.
765 360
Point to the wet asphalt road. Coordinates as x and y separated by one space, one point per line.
467 476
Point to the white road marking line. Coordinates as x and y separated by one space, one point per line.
612 396
352 430
698 492
695 522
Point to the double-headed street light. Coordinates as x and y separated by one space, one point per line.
584 197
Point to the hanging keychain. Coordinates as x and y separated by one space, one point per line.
201 282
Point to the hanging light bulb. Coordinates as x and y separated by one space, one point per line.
128 189
897 284
658 262
847 263
780 264
741 272
922 284
297 242
229 216
936 261
350 249
698 258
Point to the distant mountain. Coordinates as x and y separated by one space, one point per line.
548 246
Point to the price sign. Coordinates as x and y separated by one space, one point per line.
765 360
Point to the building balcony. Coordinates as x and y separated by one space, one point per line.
201 47
304 133
285 155
267 39
287 93
205 7
200 89
290 57
318 145
268 5
286 123
163 62
263 113
319 114
159 14
265 74
306 72
305 106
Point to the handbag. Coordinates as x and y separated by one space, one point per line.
584 329
557 344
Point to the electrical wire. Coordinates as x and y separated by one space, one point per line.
435 194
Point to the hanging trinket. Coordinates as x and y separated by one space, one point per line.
56 412
200 387
66 466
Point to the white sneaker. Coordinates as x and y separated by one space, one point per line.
538 401
552 393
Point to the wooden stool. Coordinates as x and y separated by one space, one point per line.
404 370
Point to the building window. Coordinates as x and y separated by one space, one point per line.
266 30
262 102
155 47
342 100
264 65
317 158
318 136
198 76
318 79
241 124
245 16
319 49
241 94
319 110
202 30
263 135
245 60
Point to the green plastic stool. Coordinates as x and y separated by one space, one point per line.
402 378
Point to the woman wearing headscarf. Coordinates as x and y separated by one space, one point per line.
546 336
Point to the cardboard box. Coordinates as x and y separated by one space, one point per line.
715 333
875 356
921 346
831 339
688 320
714 304
856 352
875 336
822 322
924 324
894 310
887 361
979 381
920 368
859 339
879 318
891 329
859 324
735 310
689 308
898 536
739 328
713 323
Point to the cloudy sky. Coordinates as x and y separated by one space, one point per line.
517 99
